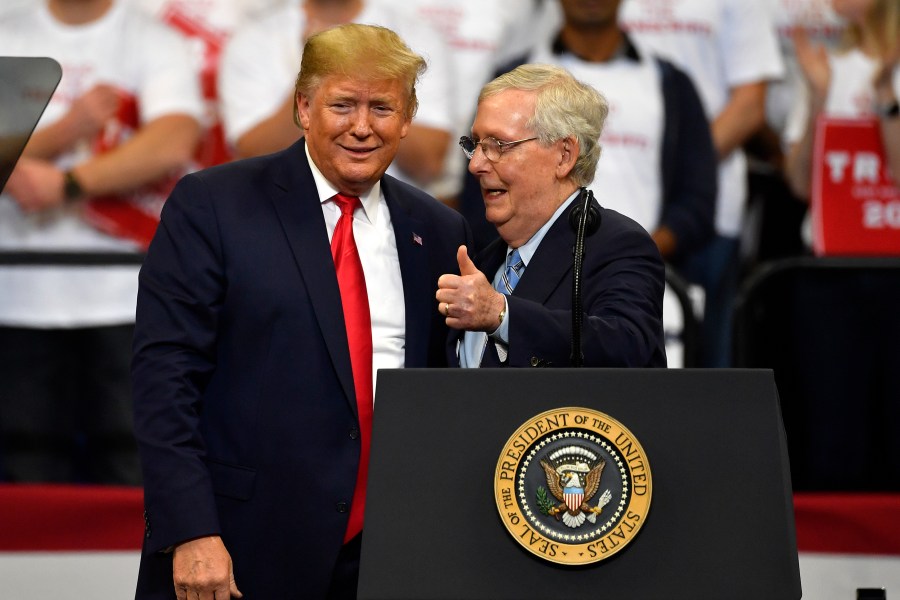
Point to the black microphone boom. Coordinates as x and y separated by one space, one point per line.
585 220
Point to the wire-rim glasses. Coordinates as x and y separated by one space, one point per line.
492 147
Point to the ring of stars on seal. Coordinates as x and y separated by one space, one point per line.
600 528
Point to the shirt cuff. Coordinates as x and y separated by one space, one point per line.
501 334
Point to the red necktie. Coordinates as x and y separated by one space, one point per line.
355 302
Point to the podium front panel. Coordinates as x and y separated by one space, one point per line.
720 523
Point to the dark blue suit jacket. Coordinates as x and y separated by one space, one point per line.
623 278
245 411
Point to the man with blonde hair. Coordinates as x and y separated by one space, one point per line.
534 148
264 53
258 339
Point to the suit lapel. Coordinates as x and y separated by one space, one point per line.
418 290
550 264
296 201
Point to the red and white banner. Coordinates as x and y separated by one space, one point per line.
855 202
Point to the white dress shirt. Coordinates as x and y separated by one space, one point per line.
377 247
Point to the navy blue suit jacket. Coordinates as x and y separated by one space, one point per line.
245 411
623 278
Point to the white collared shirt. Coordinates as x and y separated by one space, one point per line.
377 247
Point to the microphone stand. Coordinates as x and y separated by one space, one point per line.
581 226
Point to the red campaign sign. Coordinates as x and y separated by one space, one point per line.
855 203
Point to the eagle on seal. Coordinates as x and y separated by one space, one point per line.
574 494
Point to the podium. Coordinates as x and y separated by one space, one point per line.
720 522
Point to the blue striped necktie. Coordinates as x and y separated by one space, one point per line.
497 353
515 266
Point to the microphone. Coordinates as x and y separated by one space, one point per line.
585 220
592 223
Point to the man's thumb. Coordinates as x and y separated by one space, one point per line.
466 266
234 591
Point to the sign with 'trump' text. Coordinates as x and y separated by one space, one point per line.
855 201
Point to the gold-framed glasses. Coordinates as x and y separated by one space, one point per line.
492 147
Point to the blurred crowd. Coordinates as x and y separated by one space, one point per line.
708 146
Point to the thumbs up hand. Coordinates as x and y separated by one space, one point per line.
466 266
468 301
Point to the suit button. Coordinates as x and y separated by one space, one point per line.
354 433
535 361
342 507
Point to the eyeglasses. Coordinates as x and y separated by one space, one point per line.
492 147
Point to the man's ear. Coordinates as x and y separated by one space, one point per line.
302 111
569 150
404 131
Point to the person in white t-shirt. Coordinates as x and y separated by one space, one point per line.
862 79
729 49
208 24
123 120
261 59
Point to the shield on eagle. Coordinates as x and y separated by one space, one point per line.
574 498
573 493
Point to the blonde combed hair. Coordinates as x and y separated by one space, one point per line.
369 52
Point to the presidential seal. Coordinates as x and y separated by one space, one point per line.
573 486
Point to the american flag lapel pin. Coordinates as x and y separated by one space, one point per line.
417 239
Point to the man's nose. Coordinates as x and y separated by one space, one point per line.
362 126
479 162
